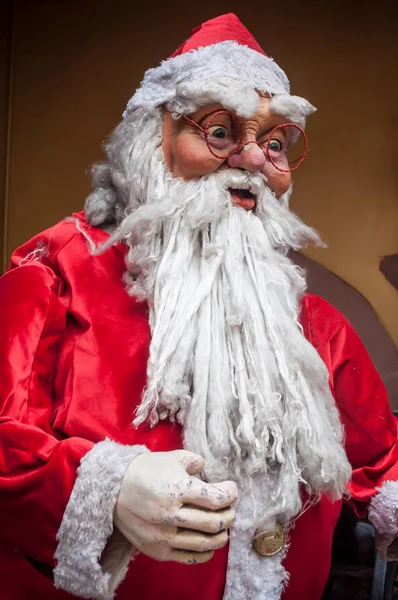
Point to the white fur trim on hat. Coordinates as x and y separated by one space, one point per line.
93 557
246 69
294 108
233 95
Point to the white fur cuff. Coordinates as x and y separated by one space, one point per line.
383 510
88 523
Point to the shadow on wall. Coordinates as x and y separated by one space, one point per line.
359 312
389 268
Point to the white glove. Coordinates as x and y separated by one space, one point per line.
168 514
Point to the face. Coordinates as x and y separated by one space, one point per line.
187 154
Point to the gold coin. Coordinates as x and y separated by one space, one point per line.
270 543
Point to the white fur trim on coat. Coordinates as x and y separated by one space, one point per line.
93 557
246 70
250 575
383 512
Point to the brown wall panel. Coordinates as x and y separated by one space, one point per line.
6 46
77 63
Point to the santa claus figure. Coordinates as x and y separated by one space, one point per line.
179 419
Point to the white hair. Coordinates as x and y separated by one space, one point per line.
228 358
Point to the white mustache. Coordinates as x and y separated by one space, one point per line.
241 180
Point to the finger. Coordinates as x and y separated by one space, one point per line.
140 532
194 541
208 495
228 487
192 463
190 558
207 521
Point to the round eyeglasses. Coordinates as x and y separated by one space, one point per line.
224 136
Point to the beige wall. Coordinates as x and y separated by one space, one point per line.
77 62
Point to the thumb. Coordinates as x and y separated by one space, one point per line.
192 463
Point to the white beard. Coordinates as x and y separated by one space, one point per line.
228 358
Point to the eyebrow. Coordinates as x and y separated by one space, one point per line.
211 112
206 115
267 131
222 108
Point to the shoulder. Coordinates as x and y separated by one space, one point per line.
335 339
321 320
71 235
63 253
66 249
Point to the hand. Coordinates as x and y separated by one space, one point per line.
168 514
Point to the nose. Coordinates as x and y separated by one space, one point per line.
250 158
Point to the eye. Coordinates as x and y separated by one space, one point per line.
218 132
275 145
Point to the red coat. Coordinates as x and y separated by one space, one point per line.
73 354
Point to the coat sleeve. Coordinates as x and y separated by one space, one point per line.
57 496
370 426
37 470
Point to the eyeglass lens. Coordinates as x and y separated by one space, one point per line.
224 137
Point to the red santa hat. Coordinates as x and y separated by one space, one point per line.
221 29
219 62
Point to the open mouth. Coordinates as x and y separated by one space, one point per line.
244 198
